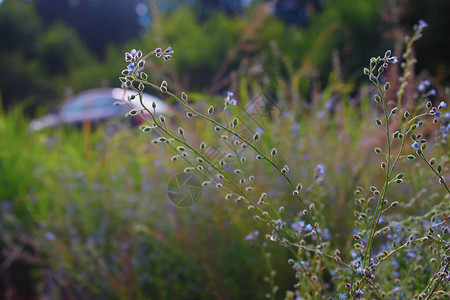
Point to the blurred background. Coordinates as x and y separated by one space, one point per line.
84 214
51 49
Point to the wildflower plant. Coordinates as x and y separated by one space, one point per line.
320 270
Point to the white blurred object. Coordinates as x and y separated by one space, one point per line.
96 105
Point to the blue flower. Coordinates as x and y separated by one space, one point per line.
230 99
50 236
252 235
394 59
438 114
423 85
359 292
442 105
320 169
342 296
308 227
319 173
447 115
131 66
423 24
360 270
298 225
415 145
133 55
433 92
168 50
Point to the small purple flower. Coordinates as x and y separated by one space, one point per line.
433 92
359 292
252 236
298 225
394 59
128 57
230 99
423 24
133 55
415 145
445 130
168 50
50 236
423 85
320 169
319 173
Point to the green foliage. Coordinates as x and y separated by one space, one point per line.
34 58
203 46
346 26
60 50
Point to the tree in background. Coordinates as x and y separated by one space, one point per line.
98 22
34 57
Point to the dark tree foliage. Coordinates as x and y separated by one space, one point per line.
98 22
296 12
34 57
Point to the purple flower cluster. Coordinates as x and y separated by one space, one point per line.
436 112
445 128
319 173
229 99
301 226
252 236
423 85
132 57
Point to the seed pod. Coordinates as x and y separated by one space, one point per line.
273 152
